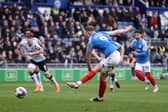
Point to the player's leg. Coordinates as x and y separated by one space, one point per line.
116 82
138 72
53 80
102 88
147 83
111 61
31 69
42 66
112 77
113 80
39 79
85 78
149 76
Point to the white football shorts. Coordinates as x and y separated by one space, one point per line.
112 60
143 67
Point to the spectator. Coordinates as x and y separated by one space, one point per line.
63 35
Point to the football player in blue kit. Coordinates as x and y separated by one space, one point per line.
140 52
104 44
111 74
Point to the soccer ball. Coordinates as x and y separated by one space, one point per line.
20 92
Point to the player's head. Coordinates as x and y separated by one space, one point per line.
138 34
29 36
28 33
89 30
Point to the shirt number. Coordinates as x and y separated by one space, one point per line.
103 38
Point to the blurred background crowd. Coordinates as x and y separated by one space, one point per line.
153 3
62 31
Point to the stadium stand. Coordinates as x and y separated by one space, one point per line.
62 30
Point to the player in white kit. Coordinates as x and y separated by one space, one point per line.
32 49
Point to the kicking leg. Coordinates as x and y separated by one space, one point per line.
85 78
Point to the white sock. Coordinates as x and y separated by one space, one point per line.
79 82
111 83
52 79
155 86
34 77
39 79
146 80
115 80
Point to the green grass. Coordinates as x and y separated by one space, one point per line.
131 97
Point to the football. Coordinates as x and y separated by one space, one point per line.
20 92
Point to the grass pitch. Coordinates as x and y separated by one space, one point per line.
131 97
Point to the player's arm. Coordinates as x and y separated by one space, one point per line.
40 51
88 55
132 63
87 58
99 58
141 53
131 60
122 50
39 46
20 50
119 31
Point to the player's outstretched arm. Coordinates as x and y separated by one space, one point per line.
119 31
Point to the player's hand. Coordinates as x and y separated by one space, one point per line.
134 53
129 28
30 53
27 54
100 58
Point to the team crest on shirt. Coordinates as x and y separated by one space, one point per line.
139 46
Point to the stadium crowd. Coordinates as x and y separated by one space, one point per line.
153 3
63 32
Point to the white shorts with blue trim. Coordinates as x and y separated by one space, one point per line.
111 61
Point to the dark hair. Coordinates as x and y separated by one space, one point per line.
138 31
89 28
28 29
30 34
